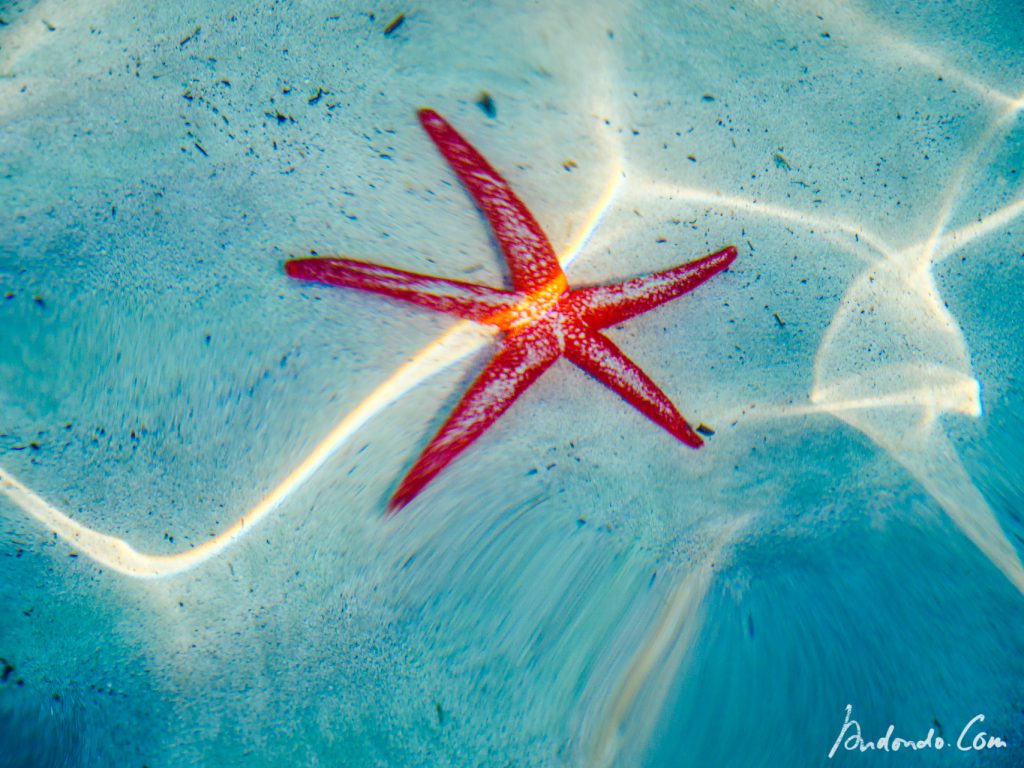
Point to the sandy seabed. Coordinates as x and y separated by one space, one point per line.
196 452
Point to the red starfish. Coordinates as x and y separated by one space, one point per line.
542 318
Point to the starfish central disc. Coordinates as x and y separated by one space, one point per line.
543 319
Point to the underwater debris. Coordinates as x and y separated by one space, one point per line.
280 117
185 40
394 24
486 103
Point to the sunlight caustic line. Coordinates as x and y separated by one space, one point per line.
943 68
35 26
630 711
962 397
809 221
882 40
955 189
117 554
951 242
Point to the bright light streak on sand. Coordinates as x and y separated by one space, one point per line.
630 710
454 345
954 191
878 40
807 221
963 396
953 241
898 48
38 25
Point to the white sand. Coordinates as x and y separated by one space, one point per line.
157 167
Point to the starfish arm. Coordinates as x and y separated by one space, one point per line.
530 257
598 356
605 305
466 300
523 357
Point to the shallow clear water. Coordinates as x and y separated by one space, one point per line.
196 452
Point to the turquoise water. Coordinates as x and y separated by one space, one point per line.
196 452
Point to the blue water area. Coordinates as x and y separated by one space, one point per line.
197 452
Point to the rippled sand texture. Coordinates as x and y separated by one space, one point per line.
196 452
